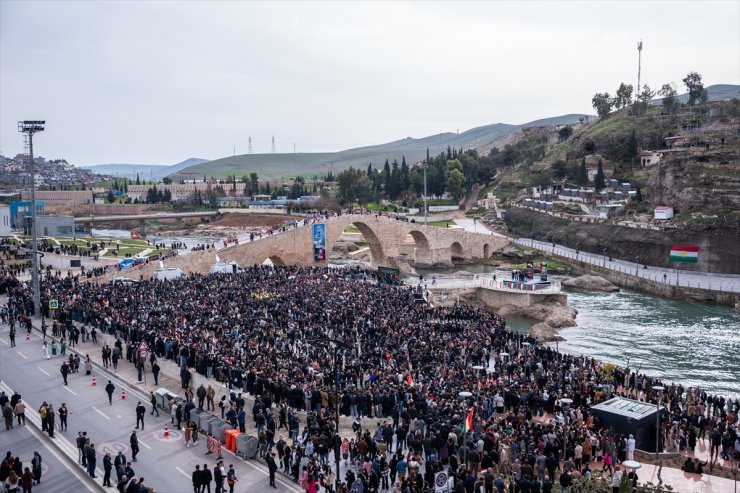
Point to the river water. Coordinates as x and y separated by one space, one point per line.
689 343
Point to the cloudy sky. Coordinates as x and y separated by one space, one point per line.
157 82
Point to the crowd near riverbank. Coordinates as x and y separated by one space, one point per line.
448 388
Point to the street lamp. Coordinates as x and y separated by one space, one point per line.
30 127
658 389
424 166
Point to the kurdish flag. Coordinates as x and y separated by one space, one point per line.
469 421
684 253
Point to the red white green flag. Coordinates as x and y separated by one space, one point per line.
469 421
684 253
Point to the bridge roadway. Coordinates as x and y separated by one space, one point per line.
134 217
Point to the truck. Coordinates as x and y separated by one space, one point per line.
226 267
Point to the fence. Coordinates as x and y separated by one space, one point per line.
686 279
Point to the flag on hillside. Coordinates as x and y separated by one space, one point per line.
684 253
469 421
409 380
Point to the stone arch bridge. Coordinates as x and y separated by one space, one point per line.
392 243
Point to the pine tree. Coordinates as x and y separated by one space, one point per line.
600 179
138 181
583 173
370 169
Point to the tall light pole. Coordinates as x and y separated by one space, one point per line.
30 127
639 67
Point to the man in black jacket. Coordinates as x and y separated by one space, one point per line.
197 479
205 479
134 441
140 412
107 468
109 389
272 467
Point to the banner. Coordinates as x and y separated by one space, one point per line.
319 242
684 253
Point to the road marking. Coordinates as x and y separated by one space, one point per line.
100 412
70 390
3 341
144 444
22 355
42 371
183 472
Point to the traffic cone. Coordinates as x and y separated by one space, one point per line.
166 430
94 381
28 336
123 394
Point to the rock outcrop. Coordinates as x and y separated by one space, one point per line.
590 283
551 315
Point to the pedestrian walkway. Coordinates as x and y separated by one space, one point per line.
727 283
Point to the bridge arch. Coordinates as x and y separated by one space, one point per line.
457 251
486 250
274 259
378 248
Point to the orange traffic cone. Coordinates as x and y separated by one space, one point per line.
94 381
123 394
166 430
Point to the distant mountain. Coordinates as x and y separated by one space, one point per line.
310 164
717 92
145 171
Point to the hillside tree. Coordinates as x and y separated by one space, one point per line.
624 95
455 179
695 86
354 186
602 102
583 173
670 98
565 133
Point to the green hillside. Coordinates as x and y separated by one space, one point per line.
310 164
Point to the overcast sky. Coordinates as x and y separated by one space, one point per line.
158 82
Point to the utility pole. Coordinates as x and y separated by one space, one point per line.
424 166
272 150
30 127
249 148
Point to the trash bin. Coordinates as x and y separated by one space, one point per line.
204 422
218 429
163 396
247 445
194 413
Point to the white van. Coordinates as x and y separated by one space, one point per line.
168 274
229 267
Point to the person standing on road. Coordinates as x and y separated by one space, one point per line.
219 475
20 412
107 468
11 334
50 420
196 479
210 394
106 356
36 467
155 372
272 467
80 441
45 350
205 479
42 415
91 461
64 370
63 412
140 412
153 401
119 462
201 393
109 389
231 478
8 415
134 441
114 358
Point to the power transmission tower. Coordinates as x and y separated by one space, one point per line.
272 149
249 149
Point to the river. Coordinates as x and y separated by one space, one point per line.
689 343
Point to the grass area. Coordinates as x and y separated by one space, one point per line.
351 229
441 224
477 212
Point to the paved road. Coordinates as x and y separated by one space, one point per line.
166 464
57 472
705 280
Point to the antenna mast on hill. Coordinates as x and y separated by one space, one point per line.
639 67
272 149
249 149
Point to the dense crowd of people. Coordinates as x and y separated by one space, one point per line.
285 335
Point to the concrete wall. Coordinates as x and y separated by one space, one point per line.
496 299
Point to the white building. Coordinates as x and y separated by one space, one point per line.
4 220
663 212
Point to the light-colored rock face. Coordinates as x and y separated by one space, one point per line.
551 315
590 283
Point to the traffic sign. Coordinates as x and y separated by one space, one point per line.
53 304
144 349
